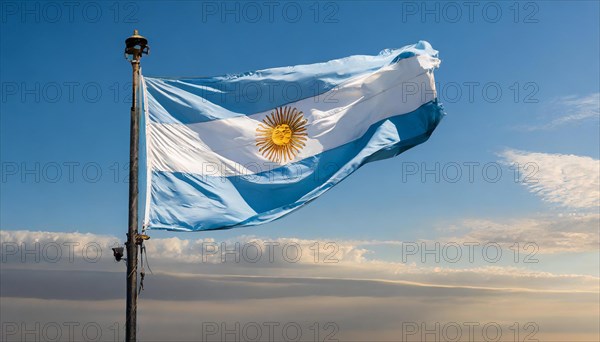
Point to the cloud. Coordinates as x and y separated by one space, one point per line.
570 182
360 297
549 234
567 180
176 262
573 109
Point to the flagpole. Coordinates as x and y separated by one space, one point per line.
135 46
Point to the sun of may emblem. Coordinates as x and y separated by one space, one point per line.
282 134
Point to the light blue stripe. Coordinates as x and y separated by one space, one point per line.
189 202
193 100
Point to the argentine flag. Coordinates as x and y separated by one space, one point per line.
241 150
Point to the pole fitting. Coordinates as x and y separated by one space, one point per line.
140 238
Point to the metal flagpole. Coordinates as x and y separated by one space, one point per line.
135 46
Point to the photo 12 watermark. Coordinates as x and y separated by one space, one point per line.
270 12
468 331
51 252
270 252
69 172
69 12
472 12
271 331
452 252
67 331
77 91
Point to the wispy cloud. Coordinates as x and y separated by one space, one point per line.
567 180
562 233
571 109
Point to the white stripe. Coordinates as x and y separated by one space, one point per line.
146 221
228 147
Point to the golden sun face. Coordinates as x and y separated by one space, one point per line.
282 134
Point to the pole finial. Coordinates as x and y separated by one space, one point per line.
135 47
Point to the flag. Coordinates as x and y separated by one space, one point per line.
241 150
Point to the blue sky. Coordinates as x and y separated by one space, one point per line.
543 60
542 56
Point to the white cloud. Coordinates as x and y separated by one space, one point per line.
365 297
349 261
550 233
572 109
564 179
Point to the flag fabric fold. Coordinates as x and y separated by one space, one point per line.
241 150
